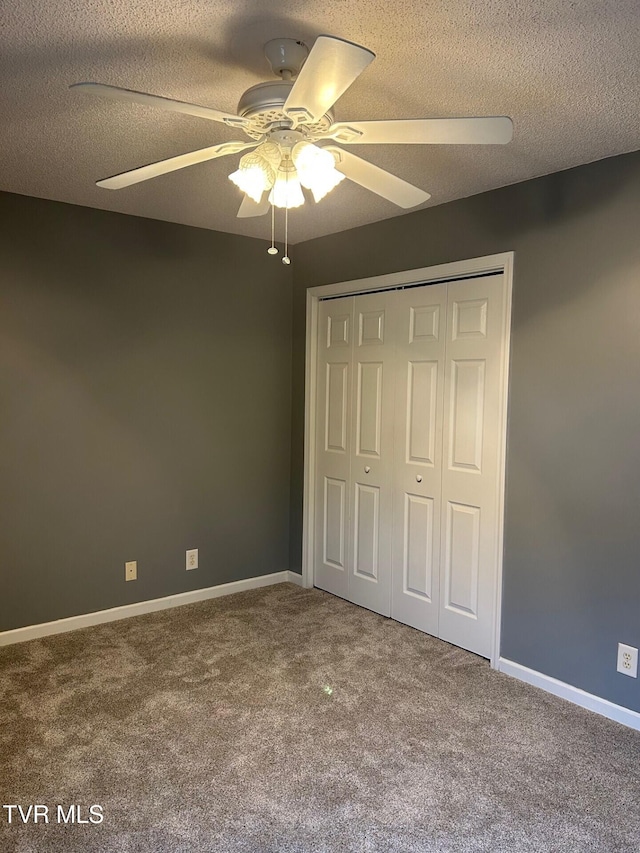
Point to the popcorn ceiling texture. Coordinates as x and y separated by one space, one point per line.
567 73
285 720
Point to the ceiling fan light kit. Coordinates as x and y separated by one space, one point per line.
284 171
293 135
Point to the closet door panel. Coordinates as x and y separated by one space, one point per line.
461 559
466 401
372 452
366 531
470 482
369 409
417 547
333 450
419 378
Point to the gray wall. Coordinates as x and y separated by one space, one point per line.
572 539
146 405
145 409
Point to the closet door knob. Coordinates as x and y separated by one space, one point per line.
419 478
366 469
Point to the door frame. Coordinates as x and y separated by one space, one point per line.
500 263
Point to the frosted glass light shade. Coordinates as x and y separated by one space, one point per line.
306 157
323 182
286 191
270 151
316 169
254 176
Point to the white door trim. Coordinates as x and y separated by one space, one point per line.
459 269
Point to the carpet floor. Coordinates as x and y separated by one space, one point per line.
282 720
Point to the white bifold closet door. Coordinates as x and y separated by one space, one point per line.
333 449
407 478
354 454
419 380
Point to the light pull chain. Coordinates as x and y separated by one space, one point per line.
286 259
272 249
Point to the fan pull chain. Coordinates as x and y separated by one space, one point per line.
286 259
272 249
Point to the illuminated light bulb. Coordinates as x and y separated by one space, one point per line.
254 176
286 260
316 169
272 250
286 191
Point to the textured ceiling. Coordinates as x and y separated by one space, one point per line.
567 72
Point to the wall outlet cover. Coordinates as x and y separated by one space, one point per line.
627 660
131 570
192 559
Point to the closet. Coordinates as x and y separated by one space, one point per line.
410 387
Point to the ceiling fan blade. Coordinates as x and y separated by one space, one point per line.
493 130
251 208
153 170
331 67
118 94
377 180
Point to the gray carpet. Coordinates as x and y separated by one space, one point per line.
283 720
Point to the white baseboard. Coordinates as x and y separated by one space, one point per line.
572 694
86 620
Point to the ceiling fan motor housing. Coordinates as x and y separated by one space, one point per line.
263 105
264 97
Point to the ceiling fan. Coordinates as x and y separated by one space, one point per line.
292 134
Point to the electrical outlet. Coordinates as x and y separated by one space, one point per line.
192 559
131 571
627 660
